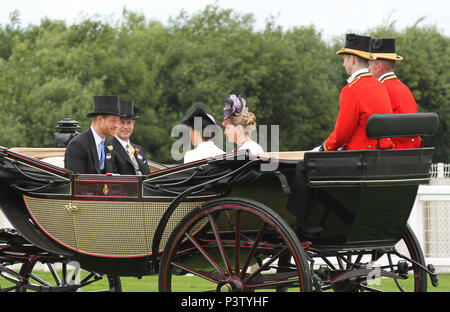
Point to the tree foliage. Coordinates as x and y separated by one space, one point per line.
291 77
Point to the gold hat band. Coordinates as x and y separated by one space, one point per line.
363 54
388 56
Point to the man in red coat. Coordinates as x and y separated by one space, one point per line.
402 100
363 96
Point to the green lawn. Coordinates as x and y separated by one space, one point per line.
150 284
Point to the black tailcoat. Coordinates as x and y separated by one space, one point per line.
82 158
122 160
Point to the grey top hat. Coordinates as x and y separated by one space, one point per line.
127 109
105 105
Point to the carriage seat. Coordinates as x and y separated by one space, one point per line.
402 125
55 161
55 156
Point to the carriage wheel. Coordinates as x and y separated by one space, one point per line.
233 245
409 246
61 276
389 270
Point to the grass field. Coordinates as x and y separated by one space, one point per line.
150 284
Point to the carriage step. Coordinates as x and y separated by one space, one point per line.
12 237
433 276
370 273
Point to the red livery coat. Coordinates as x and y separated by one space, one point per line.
364 96
402 101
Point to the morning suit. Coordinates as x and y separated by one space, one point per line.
123 162
82 157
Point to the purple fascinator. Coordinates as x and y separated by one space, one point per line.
235 105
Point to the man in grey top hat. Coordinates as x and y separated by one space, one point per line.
91 152
129 158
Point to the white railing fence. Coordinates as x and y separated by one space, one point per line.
430 218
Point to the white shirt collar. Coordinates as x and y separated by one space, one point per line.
98 139
205 144
356 73
386 74
123 142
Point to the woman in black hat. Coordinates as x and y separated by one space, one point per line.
202 127
91 152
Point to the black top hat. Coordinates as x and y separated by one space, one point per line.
127 109
199 110
384 49
357 45
105 105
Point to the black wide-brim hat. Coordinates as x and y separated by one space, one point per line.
200 110
105 105
127 109
384 48
357 45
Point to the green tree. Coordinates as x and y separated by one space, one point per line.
291 77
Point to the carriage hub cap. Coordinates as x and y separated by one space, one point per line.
233 284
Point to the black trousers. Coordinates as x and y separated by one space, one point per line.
301 199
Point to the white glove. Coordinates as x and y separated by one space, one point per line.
316 149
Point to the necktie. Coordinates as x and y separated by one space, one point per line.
130 151
102 154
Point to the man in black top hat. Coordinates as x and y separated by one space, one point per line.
129 158
91 152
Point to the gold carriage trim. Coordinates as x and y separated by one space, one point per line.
105 228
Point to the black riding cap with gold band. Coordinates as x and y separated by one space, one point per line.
384 49
357 45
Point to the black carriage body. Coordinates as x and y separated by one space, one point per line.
362 199
117 224
105 222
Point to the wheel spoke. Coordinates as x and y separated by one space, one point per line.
8 289
237 247
220 245
87 278
367 288
253 250
195 272
64 273
267 263
54 274
206 255
38 279
275 284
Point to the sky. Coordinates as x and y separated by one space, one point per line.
331 17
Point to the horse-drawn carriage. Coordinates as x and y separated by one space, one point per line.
225 222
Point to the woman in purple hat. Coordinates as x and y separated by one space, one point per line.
239 123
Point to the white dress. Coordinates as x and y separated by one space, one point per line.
202 151
252 146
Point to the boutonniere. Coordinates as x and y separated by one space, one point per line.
136 150
110 147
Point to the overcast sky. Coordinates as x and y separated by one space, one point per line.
332 17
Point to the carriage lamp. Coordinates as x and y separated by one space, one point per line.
67 131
